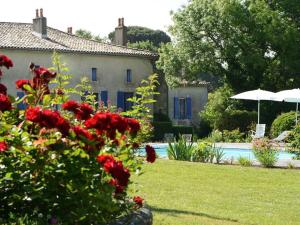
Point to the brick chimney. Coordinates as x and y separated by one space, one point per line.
39 24
120 33
70 30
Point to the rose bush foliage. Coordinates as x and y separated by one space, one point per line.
64 167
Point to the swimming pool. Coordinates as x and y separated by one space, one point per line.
230 153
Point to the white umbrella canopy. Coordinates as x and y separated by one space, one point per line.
257 95
292 95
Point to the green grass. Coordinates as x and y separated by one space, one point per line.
194 193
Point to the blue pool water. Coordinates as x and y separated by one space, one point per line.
235 153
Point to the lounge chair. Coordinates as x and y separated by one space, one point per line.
281 137
259 131
187 137
168 137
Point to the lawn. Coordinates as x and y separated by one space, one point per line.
194 193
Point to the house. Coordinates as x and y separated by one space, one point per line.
114 70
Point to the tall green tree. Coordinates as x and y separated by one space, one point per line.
249 43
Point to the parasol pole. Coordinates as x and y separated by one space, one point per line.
297 113
258 111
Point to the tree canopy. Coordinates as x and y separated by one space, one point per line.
88 35
251 43
144 36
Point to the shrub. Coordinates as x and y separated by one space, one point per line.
243 161
236 119
72 166
180 150
294 140
285 121
233 136
216 136
218 102
218 154
161 117
265 152
203 152
160 128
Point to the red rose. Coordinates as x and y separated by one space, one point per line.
60 92
3 146
138 200
5 103
71 106
21 83
134 125
5 61
151 155
33 114
115 168
44 73
84 112
3 89
81 132
118 188
63 126
135 145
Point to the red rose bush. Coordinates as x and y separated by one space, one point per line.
73 165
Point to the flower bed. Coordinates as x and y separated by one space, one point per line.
64 167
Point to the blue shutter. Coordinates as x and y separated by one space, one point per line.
120 100
21 105
176 108
104 97
189 108
94 74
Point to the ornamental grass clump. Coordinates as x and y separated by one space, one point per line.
64 167
265 152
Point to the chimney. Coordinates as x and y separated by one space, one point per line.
70 30
120 33
40 24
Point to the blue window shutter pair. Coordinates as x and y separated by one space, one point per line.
104 97
129 76
94 74
189 108
21 105
120 100
176 108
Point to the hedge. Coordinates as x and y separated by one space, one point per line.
285 121
237 119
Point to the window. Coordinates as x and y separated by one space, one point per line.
182 108
122 101
21 105
128 76
94 74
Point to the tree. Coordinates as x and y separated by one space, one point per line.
251 43
144 37
145 45
88 35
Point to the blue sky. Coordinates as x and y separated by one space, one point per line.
98 16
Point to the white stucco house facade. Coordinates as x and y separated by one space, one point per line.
114 69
